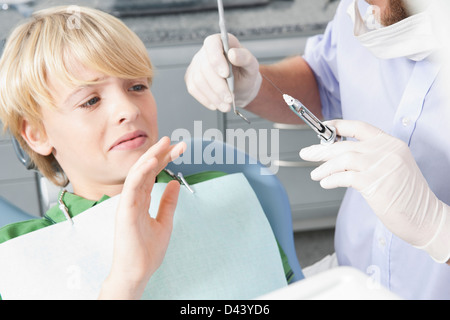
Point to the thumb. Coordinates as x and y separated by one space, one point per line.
354 129
168 203
242 57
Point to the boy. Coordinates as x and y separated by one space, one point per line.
77 98
88 121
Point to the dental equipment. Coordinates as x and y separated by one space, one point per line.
63 207
226 47
325 133
179 178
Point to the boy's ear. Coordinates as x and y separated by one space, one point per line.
36 138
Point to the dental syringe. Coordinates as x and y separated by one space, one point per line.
325 133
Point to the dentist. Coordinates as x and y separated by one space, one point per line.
375 64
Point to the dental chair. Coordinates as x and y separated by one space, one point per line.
269 190
10 213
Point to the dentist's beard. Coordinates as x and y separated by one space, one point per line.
395 12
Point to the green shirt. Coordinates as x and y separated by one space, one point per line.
76 205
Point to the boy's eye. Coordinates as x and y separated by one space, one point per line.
138 87
90 103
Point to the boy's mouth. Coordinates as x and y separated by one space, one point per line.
130 141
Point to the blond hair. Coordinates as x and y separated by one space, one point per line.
43 46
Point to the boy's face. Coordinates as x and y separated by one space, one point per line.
99 131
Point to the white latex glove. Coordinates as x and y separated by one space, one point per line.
383 169
206 75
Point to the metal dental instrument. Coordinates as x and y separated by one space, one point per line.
63 207
226 47
179 178
325 133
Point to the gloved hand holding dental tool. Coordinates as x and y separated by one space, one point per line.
256 87
209 67
382 168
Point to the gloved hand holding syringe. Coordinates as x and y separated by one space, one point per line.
325 133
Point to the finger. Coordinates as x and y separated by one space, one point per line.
136 192
168 203
216 88
170 154
233 42
214 54
164 152
346 179
194 82
177 150
346 162
322 152
158 148
242 57
206 85
198 94
140 175
354 129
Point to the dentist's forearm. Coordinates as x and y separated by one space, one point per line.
294 77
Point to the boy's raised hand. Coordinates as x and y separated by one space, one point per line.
140 241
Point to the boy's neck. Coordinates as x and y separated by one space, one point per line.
97 191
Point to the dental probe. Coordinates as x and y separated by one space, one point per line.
325 133
226 47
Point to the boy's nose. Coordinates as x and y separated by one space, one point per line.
125 111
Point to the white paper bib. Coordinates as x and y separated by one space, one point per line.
222 247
